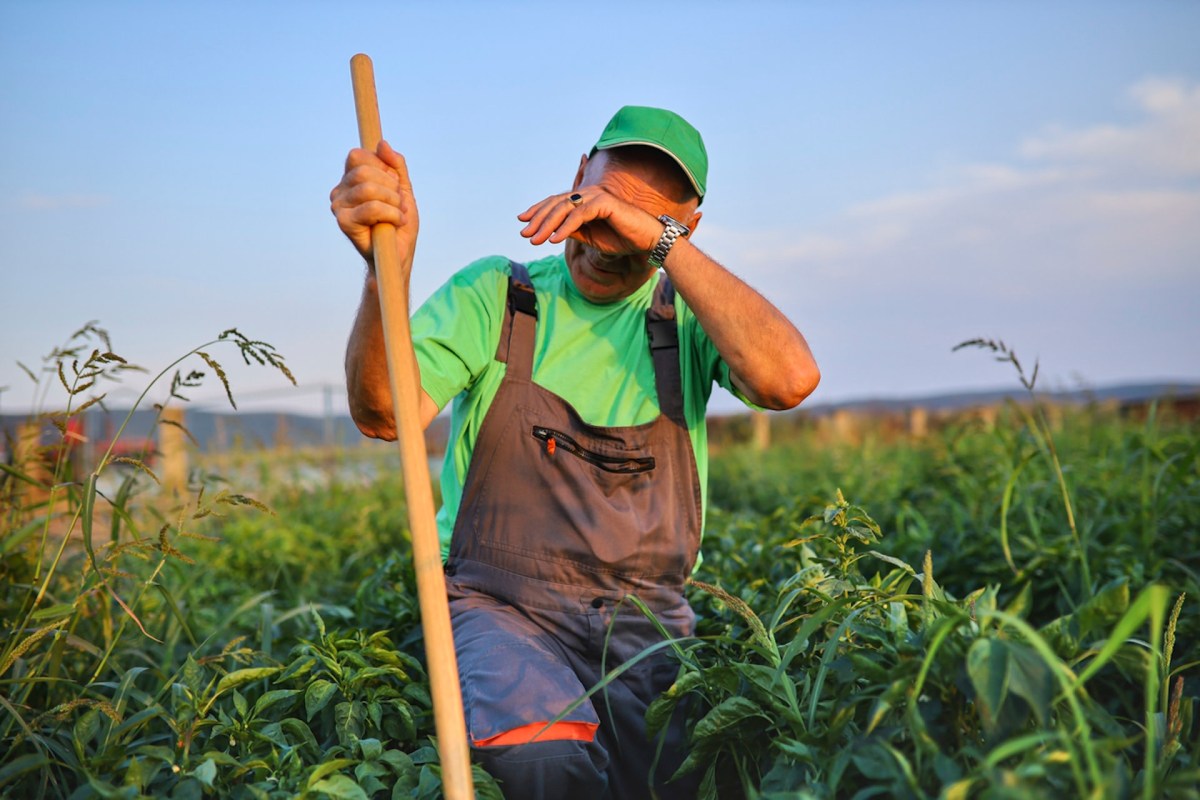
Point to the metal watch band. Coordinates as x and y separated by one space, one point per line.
672 231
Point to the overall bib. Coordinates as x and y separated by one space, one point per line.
560 520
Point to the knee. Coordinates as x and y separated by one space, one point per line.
553 769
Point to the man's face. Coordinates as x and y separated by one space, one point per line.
604 270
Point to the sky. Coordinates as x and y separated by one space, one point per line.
896 177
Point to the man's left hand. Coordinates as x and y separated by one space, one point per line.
600 220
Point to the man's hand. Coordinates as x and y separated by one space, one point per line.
600 220
375 188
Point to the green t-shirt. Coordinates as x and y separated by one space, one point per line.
599 361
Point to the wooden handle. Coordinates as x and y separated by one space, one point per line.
392 273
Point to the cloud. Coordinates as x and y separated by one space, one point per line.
1107 202
61 202
1165 142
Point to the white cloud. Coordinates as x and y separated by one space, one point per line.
1166 141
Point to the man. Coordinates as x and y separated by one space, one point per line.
576 466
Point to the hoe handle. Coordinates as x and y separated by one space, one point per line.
392 274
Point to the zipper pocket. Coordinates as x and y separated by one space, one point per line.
625 465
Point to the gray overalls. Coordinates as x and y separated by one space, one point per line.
559 521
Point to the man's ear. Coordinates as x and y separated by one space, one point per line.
694 222
583 160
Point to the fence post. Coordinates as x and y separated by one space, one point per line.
172 445
918 422
761 421
30 459
845 425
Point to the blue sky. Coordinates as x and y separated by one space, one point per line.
897 177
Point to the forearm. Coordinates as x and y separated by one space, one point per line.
769 359
368 383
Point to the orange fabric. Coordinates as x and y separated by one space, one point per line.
537 731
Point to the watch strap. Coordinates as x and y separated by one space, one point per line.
672 230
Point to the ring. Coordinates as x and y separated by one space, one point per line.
576 199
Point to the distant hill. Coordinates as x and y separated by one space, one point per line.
264 429
1123 393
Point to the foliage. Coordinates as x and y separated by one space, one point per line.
207 646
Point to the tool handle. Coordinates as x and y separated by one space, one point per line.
392 271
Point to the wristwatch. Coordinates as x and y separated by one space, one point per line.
673 230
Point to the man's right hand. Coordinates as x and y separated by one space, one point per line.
375 188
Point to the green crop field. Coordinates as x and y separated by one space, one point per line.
1002 610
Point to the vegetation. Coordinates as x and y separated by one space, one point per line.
985 612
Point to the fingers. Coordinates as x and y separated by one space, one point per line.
375 188
556 218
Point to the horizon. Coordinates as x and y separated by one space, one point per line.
1138 390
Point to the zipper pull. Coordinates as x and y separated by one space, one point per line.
551 445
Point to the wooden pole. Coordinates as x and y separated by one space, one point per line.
392 274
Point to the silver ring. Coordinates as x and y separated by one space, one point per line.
576 199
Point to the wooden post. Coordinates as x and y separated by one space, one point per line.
845 426
918 422
761 421
1054 415
172 445
30 459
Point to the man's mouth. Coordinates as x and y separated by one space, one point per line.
610 264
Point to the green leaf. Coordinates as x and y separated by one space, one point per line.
725 715
300 732
1031 679
318 695
206 773
53 612
239 702
192 675
348 722
272 697
140 772
243 676
398 760
86 728
875 763
20 765
400 724
328 768
371 749
988 667
297 668
341 787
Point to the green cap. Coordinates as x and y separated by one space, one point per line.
663 130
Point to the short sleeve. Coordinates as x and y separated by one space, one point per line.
456 330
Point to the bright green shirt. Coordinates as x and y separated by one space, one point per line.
595 357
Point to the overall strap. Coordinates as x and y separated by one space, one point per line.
520 324
662 333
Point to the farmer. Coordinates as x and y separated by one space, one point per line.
575 473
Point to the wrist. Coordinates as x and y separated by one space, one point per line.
672 232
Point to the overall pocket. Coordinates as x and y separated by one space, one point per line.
554 441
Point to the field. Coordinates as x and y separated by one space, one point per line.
992 610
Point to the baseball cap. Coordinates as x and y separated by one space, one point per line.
663 130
